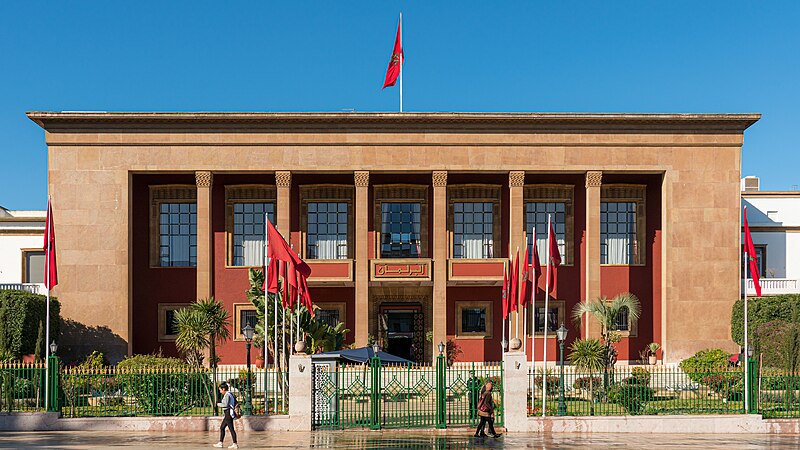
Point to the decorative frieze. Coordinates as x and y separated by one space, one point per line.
361 178
594 178
440 178
283 179
516 178
204 179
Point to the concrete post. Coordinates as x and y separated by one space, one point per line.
515 391
300 391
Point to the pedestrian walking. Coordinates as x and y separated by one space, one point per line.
486 411
227 404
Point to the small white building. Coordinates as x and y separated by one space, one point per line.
21 254
774 219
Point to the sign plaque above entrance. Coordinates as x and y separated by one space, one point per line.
412 269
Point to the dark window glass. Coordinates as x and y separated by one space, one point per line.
327 230
249 231
329 316
618 232
552 319
473 230
622 320
34 267
400 230
248 317
473 320
536 220
178 234
170 326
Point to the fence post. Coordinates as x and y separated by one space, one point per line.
441 392
52 381
300 387
515 391
752 387
375 393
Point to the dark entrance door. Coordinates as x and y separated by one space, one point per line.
400 333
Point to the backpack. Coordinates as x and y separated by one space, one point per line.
236 411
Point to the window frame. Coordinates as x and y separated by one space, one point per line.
340 307
237 319
327 193
487 305
162 320
561 314
245 193
24 274
401 193
629 193
474 193
166 193
632 331
554 193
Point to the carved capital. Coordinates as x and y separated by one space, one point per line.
204 179
516 178
283 179
440 178
361 178
594 178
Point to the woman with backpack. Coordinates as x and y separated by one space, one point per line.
227 404
486 411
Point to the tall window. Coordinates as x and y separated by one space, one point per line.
618 244
536 219
473 229
473 320
552 319
327 230
761 262
33 261
623 319
400 228
248 232
178 234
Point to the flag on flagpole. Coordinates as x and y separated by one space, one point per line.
555 258
51 272
505 293
537 267
396 61
523 295
513 289
750 250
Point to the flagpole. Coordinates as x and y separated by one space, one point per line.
48 257
402 62
533 328
746 361
516 299
546 313
266 317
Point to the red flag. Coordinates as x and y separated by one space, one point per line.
537 266
555 258
514 291
50 269
305 296
271 280
505 293
292 279
523 296
285 283
277 248
750 250
397 60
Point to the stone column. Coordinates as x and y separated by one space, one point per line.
205 245
361 268
283 182
300 391
515 391
594 180
516 208
439 260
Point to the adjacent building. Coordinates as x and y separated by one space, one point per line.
408 221
21 253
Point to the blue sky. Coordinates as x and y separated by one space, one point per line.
609 56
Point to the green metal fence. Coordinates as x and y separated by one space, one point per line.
114 392
778 394
22 387
375 395
634 390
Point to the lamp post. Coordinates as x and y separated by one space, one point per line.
51 383
561 334
441 387
248 331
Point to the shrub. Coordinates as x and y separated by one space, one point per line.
641 375
24 311
583 382
762 310
727 385
630 395
552 383
164 386
698 366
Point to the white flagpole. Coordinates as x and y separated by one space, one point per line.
402 62
266 317
546 313
746 362
533 331
47 305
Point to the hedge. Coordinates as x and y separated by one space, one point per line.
24 311
761 310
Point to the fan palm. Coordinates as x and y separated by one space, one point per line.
606 312
192 338
588 356
217 322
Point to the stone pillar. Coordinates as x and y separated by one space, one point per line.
300 391
283 182
515 391
594 180
362 243
205 253
439 260
516 233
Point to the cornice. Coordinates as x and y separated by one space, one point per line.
72 122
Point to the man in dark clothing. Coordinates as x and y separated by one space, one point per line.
486 411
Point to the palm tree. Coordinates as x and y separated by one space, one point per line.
217 322
588 356
606 312
192 338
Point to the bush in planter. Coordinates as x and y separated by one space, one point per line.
23 312
164 386
630 394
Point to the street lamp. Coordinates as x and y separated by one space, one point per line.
53 348
441 348
375 349
248 331
750 351
561 334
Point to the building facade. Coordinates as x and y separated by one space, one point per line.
774 219
21 253
407 221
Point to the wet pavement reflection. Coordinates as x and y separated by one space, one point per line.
397 439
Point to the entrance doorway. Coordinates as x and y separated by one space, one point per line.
402 331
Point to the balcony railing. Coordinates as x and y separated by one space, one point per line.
33 288
774 286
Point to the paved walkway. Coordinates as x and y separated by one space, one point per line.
363 439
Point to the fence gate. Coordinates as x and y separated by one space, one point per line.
375 395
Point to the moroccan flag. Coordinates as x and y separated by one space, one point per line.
277 248
555 258
505 293
397 60
305 296
285 283
537 266
50 268
523 295
271 281
513 290
750 250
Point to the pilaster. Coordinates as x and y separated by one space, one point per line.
594 179
439 259
283 183
362 242
516 208
205 257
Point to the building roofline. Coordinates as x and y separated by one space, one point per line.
770 194
354 121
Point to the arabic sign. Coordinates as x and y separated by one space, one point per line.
401 270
